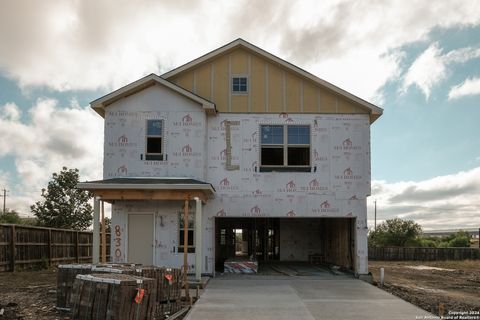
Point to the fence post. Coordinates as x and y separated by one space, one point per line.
77 253
12 248
49 241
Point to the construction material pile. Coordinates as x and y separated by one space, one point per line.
99 291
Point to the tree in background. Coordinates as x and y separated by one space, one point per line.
13 217
459 239
395 232
108 225
10 216
64 206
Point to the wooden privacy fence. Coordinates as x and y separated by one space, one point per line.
25 247
422 254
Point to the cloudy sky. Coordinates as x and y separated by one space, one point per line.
419 60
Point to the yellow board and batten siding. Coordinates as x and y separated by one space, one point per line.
272 88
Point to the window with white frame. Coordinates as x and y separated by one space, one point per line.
154 140
239 84
191 232
285 146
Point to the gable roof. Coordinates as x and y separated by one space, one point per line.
374 110
100 104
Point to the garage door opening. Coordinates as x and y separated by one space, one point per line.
321 241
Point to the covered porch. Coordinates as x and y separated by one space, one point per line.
149 190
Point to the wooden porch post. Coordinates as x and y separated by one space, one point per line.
185 249
198 239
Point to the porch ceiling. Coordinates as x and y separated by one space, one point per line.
149 189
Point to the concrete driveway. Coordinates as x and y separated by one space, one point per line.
281 297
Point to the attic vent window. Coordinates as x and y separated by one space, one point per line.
154 137
239 84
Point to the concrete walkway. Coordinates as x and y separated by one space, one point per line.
276 297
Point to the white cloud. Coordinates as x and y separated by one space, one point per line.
444 202
105 44
51 137
431 67
469 87
427 70
10 111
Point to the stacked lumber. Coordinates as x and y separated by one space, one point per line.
113 296
65 278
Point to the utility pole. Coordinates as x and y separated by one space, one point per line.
375 215
4 199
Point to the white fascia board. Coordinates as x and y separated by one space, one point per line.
139 186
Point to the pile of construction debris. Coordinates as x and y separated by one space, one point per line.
119 291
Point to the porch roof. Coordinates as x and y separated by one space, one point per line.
162 188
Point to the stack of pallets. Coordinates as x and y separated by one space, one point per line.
90 294
65 278
113 296
170 283
67 273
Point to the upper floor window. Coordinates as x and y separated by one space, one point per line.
154 140
239 84
285 147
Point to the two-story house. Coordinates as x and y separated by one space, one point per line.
272 162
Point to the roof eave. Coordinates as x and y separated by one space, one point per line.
141 186
101 103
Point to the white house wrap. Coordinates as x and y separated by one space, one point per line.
208 150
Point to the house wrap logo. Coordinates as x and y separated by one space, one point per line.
221 213
348 175
186 151
122 141
257 192
222 126
122 169
325 207
314 185
291 214
251 139
255 211
347 145
317 157
187 121
290 186
225 185
222 156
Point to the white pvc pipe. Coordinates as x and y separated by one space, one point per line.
96 231
382 276
198 239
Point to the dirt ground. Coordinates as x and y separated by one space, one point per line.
455 285
29 295
32 295
435 286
